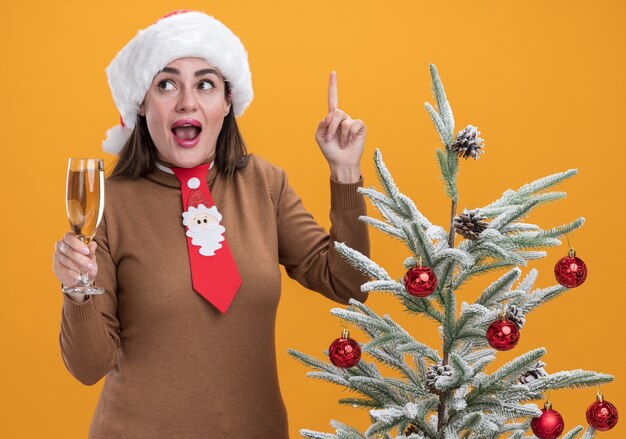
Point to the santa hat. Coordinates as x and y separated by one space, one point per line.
176 35
196 197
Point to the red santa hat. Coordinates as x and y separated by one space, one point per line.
176 35
196 197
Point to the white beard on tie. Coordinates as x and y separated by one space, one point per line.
204 229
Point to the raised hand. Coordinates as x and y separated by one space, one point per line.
341 138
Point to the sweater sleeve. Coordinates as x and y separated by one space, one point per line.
307 251
89 335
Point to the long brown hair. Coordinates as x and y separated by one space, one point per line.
138 157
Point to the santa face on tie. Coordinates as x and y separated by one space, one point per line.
204 229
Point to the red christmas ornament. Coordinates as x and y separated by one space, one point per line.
420 281
549 425
602 415
344 352
503 334
570 271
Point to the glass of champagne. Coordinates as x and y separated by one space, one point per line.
84 202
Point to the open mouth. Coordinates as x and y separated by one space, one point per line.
187 132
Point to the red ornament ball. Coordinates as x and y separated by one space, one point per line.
570 271
344 352
602 415
503 335
420 281
549 425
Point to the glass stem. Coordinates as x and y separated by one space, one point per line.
83 278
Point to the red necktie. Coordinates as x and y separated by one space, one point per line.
213 270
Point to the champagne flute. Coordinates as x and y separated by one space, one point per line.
84 203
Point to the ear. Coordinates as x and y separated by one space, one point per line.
227 106
141 111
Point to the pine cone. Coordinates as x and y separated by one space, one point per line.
433 374
533 374
467 143
469 224
514 314
412 429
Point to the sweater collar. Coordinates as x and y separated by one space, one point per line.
165 176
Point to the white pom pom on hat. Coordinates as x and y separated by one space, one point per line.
176 35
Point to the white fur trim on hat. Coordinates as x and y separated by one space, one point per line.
117 137
186 34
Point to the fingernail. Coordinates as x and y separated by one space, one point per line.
85 250
90 266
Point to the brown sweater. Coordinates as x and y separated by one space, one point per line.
176 367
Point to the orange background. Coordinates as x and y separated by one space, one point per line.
543 81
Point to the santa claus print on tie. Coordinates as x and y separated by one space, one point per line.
203 223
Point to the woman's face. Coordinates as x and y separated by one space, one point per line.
185 108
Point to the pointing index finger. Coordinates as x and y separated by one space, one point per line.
333 103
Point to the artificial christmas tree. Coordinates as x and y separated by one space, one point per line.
447 394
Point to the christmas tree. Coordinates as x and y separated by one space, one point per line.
445 394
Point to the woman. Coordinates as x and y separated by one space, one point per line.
185 331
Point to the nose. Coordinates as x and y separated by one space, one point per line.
187 102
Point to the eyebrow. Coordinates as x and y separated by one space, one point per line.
198 73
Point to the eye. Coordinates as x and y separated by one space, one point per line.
205 221
206 84
166 85
199 222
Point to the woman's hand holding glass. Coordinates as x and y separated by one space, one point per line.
71 258
75 255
